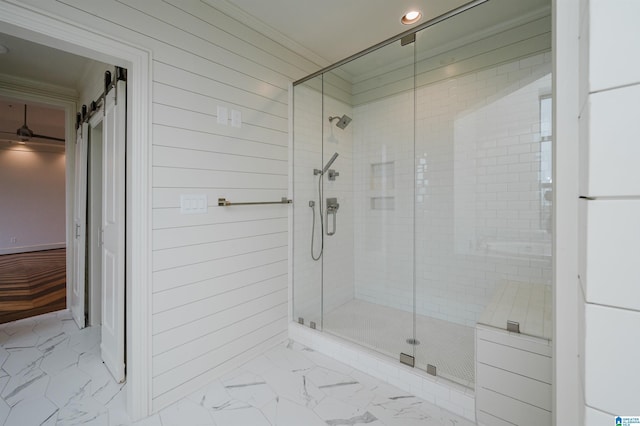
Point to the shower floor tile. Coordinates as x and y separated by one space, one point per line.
447 345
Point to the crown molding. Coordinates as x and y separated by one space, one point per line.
238 14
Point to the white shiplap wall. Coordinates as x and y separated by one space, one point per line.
220 278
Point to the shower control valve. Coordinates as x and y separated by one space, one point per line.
333 174
332 210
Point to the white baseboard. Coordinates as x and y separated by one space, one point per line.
27 249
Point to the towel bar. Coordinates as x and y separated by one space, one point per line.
223 202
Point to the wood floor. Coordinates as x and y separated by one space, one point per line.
32 284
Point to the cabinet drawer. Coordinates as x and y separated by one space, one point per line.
512 359
520 341
486 419
511 410
516 386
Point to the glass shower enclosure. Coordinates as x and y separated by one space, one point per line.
422 188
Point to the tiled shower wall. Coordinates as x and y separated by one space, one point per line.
383 177
481 215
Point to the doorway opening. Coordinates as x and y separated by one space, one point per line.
36 26
32 223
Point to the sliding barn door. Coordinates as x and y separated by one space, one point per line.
113 228
79 228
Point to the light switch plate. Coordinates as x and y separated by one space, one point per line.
223 115
236 118
193 204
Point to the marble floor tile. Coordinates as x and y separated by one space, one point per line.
34 411
26 385
51 374
4 411
67 386
186 410
22 359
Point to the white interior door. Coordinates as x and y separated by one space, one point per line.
80 232
94 221
113 228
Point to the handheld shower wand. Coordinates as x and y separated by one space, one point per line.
312 204
326 167
330 162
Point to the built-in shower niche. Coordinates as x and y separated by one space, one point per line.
382 186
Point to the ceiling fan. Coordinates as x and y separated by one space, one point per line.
25 133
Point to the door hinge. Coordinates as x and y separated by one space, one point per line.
407 359
431 369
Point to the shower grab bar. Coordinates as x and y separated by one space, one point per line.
223 202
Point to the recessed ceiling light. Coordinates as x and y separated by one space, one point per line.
3 49
411 17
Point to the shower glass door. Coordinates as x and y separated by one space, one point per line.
368 261
483 182
423 187
307 240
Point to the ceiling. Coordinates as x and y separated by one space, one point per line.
325 31
37 62
336 29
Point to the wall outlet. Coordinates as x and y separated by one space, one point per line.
14 240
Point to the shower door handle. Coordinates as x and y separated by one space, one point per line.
332 209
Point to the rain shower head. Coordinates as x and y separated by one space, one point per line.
342 121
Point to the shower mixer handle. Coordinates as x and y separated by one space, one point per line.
332 209
333 174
